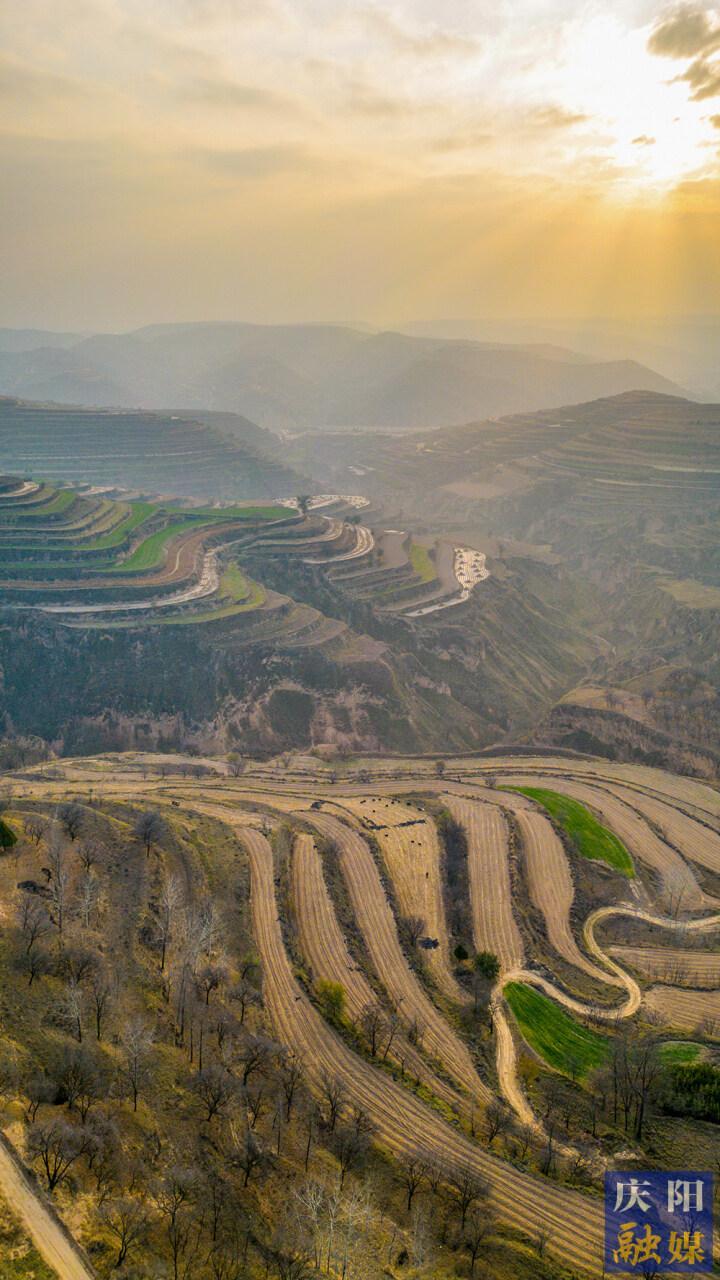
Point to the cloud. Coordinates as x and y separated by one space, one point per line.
704 79
685 33
19 80
462 142
212 91
252 162
435 43
715 120
554 117
643 140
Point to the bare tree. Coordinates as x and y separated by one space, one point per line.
478 1228
88 896
58 879
413 1173
496 1121
412 928
170 900
215 1088
81 1079
33 919
291 1074
248 1154
56 1146
175 1199
34 827
256 1055
246 996
72 1008
136 1040
126 1221
468 1190
149 829
39 1091
334 1096
350 1149
210 978
101 996
71 816
374 1026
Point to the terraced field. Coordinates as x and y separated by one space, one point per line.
547 1016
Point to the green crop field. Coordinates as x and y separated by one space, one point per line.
421 562
590 837
680 1053
138 514
150 554
563 1043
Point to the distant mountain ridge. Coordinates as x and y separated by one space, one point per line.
308 377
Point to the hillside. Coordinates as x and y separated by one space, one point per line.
308 376
150 453
302 1017
617 500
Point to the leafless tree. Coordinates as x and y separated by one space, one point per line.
59 879
176 1203
350 1149
468 1190
100 996
149 829
34 827
256 1054
126 1221
71 816
39 1091
136 1040
33 919
374 1026
496 1121
334 1096
247 1153
479 1226
210 978
171 898
72 1008
56 1146
413 1173
81 1079
412 928
215 1088
246 996
88 895
291 1074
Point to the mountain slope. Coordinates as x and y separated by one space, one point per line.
307 376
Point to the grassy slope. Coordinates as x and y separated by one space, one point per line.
563 1043
590 838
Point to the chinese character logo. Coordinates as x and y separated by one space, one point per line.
658 1222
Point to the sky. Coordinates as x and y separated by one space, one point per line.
288 160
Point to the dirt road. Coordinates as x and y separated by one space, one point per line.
47 1236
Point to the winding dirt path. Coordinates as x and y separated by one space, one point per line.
551 888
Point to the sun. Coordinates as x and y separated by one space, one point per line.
637 107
